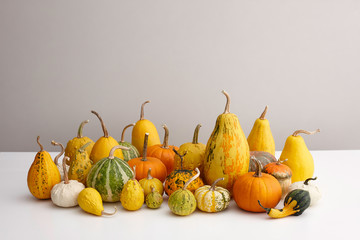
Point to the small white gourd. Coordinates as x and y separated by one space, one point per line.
56 160
314 191
65 193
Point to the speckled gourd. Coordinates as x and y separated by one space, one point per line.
81 165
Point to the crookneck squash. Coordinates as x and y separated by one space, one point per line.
132 152
90 201
81 165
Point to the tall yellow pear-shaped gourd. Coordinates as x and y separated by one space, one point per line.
227 151
104 144
299 158
260 137
141 127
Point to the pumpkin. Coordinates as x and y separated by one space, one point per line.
164 151
81 165
132 152
313 190
177 179
295 203
183 202
195 153
90 201
212 198
132 195
263 157
77 142
109 175
281 172
104 144
65 193
143 164
141 127
150 182
56 159
42 175
227 150
254 186
260 137
154 199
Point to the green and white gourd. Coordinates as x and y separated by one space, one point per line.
132 152
109 175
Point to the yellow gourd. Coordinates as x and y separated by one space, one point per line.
81 165
132 195
103 145
149 182
141 127
90 201
260 137
299 158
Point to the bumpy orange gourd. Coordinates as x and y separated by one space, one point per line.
164 151
43 174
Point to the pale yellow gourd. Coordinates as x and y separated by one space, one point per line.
132 195
90 201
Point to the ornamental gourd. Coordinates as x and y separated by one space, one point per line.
212 198
141 127
183 202
299 158
56 159
132 196
150 182
164 151
154 199
254 186
281 172
81 165
42 175
313 190
90 201
109 175
104 144
227 150
260 137
77 142
263 157
132 152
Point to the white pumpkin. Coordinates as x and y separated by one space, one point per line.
314 191
56 160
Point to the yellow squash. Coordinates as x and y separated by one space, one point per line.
260 137
227 151
299 158
90 201
141 127
81 165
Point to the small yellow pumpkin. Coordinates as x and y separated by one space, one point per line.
149 182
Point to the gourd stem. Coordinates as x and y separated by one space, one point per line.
212 188
145 147
307 180
41 146
80 130
166 137
181 157
262 117
56 160
266 209
149 174
227 106
109 214
196 134
123 132
278 162
153 189
82 149
134 168
66 176
192 179
305 132
112 151
258 167
106 133
142 110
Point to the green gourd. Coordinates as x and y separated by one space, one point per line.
154 199
133 152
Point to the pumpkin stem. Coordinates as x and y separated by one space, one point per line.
109 214
66 176
258 167
41 146
266 209
212 188
145 146
112 151
278 162
123 132
262 117
166 137
56 160
106 133
305 132
142 110
80 130
149 174
192 179
196 134
82 149
307 180
227 106
181 157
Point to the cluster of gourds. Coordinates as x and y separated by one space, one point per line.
110 171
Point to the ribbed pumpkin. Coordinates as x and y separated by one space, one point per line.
56 159
227 150
109 175
281 172
42 175
81 165
143 164
164 151
195 153
132 152
263 157
149 182
254 186
177 179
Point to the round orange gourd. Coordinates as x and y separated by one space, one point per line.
164 152
254 186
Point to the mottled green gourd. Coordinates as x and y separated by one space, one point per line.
133 152
154 199
183 202
81 165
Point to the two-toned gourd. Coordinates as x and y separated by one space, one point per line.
281 172
306 185
109 175
150 182
43 174
81 164
56 159
90 201
132 196
132 152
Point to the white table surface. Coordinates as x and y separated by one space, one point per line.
336 216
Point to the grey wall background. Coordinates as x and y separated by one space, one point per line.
61 59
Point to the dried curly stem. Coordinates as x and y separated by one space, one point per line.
212 188
80 130
123 132
227 106
307 180
106 133
66 176
192 179
41 146
196 134
166 137
142 110
258 167
109 214
262 117
305 132
181 157
112 151
56 160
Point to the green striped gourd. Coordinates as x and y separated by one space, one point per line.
132 152
109 175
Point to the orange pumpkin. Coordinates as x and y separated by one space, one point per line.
281 172
254 186
158 169
164 152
